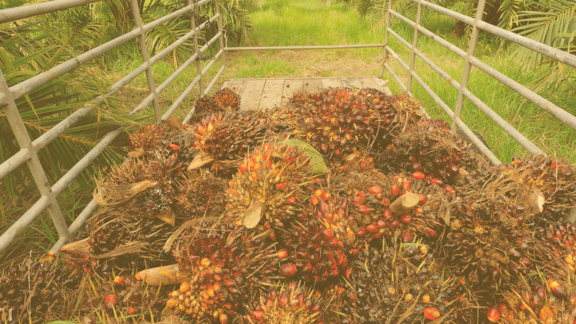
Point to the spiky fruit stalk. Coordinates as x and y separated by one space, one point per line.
292 303
268 186
227 99
200 193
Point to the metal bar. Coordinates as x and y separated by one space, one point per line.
17 13
196 51
279 48
414 45
394 55
14 162
190 114
385 54
59 186
485 150
533 97
222 47
554 53
23 222
178 101
396 78
145 58
509 129
57 130
23 139
214 80
77 224
174 75
467 65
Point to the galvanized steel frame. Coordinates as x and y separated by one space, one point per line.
462 87
28 148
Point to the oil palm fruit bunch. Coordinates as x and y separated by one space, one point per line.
397 207
111 296
208 104
141 188
169 138
268 186
291 303
389 124
398 284
431 148
223 139
316 241
559 243
554 178
199 193
536 300
225 264
336 121
40 288
227 99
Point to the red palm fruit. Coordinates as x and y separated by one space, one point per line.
406 218
288 270
395 223
406 237
327 234
421 199
281 185
258 315
357 200
318 193
364 209
282 254
223 319
314 200
406 184
557 289
453 169
418 175
395 190
372 228
361 232
386 202
572 298
242 168
388 216
432 313
291 200
174 147
437 181
381 223
110 301
205 262
546 315
326 196
184 287
493 314
448 188
119 281
348 272
375 190
431 233
131 311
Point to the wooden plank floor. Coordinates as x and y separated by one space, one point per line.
269 93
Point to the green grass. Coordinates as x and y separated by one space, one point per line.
310 22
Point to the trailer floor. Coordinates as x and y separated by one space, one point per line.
270 93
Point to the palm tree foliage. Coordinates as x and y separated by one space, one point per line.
37 44
550 22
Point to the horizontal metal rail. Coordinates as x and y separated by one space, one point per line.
554 53
28 152
174 75
13 14
282 48
509 129
27 86
536 99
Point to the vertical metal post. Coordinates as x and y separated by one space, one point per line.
217 2
198 65
467 66
146 59
34 164
385 53
414 45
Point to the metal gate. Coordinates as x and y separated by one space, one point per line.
29 148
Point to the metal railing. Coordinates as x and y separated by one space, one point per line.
29 149
463 92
